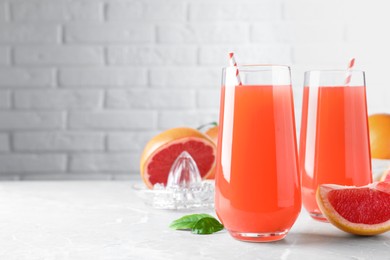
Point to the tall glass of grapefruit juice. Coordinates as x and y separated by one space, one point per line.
334 139
258 195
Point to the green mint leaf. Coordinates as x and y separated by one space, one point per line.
207 225
208 125
187 222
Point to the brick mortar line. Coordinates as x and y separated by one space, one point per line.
12 102
68 161
57 83
106 143
105 12
7 10
105 99
155 35
66 125
61 34
9 141
12 60
105 56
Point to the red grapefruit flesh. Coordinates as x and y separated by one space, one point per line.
358 210
162 150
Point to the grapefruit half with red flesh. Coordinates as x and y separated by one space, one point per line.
358 210
162 150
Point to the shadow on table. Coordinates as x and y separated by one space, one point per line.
307 238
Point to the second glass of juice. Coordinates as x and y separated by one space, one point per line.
334 140
258 196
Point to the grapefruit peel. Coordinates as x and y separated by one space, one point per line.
385 175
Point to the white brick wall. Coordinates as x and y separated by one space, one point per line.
113 120
157 99
4 55
202 32
4 15
297 32
102 77
168 119
5 99
58 141
4 143
16 120
150 10
32 163
129 141
29 33
184 77
208 99
54 11
152 55
85 84
103 162
59 55
109 33
278 53
26 77
58 99
235 11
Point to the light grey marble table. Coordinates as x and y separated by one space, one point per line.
105 220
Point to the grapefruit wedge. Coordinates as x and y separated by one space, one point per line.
162 150
358 210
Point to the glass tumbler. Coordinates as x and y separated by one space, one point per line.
258 195
334 140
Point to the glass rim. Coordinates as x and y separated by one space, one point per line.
249 66
336 71
334 78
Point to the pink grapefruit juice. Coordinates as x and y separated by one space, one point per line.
257 179
334 140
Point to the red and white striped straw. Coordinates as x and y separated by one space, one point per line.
349 72
232 62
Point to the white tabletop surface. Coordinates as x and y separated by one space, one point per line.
106 220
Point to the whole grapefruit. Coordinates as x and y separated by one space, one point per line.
213 134
379 125
385 175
